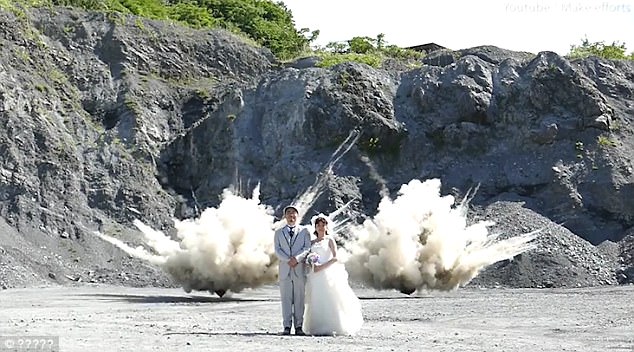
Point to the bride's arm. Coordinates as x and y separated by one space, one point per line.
325 265
333 248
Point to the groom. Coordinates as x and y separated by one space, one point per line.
292 243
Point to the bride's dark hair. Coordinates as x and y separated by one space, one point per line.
318 220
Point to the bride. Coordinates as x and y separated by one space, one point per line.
332 308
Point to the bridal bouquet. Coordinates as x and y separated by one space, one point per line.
312 258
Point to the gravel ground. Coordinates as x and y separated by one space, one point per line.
112 318
561 259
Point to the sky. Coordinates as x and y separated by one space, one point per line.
523 25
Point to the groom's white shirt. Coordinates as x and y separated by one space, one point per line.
286 247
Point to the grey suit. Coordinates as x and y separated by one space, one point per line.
292 280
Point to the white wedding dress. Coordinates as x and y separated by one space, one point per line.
332 308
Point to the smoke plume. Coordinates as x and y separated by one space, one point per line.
422 240
227 248
418 240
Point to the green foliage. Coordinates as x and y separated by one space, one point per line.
267 23
41 88
337 47
364 50
374 146
361 45
12 4
154 9
331 59
615 51
57 76
605 141
396 52
84 4
194 15
344 79
132 105
22 54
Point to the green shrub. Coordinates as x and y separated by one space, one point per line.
329 59
267 23
10 4
605 141
615 51
401 53
94 5
361 45
364 50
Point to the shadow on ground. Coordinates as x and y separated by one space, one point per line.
370 298
247 334
168 299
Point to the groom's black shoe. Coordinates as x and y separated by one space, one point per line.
287 331
299 332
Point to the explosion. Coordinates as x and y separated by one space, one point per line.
421 240
227 248
418 240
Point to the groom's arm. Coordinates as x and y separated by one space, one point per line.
279 252
301 256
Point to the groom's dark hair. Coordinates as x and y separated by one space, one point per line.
289 208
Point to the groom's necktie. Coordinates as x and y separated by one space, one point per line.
290 231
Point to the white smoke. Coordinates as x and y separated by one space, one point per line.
422 240
227 248
418 240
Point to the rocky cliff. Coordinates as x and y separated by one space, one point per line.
108 118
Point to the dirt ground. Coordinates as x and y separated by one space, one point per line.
110 318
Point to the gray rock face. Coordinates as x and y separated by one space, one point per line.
561 259
106 118
540 129
87 104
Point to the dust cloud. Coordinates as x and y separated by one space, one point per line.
227 248
422 240
418 240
